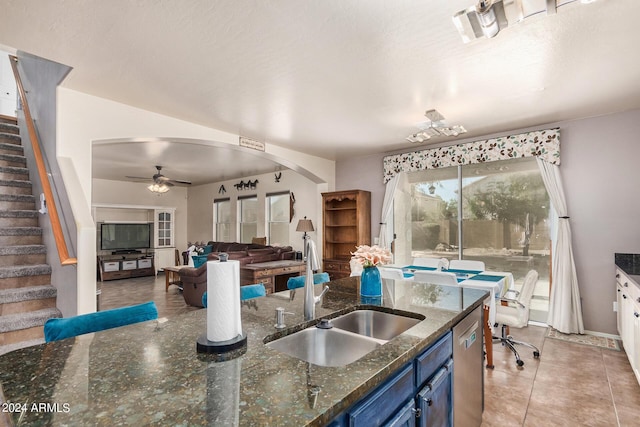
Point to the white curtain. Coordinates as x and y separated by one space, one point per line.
386 219
565 310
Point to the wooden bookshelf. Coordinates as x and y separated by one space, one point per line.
346 222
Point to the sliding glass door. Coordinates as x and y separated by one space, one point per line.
505 211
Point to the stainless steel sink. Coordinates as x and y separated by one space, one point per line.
324 347
352 336
375 324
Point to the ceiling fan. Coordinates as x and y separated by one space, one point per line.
160 179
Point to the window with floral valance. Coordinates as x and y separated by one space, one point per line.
544 144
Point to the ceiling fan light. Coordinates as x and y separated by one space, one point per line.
158 188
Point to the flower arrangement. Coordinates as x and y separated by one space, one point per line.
371 256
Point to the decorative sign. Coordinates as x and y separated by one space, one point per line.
251 143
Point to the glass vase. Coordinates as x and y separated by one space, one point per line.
370 282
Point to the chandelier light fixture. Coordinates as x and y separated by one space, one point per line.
158 188
434 126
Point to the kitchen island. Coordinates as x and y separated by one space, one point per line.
150 373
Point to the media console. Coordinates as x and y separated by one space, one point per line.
125 266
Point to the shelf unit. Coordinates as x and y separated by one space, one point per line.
125 266
346 219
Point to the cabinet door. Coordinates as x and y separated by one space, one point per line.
406 417
435 400
164 224
636 341
383 403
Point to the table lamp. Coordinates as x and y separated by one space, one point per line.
305 225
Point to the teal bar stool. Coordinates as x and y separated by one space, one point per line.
67 327
298 282
246 292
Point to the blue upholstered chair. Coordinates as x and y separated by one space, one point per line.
246 292
298 282
67 327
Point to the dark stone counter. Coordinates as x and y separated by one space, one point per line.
150 374
629 263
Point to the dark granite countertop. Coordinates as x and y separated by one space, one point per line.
630 265
150 374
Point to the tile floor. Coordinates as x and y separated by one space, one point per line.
570 385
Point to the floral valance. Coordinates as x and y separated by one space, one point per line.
542 143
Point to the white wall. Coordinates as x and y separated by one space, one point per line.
306 192
601 174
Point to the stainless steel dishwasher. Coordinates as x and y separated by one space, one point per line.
468 374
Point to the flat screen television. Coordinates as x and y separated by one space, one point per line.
123 237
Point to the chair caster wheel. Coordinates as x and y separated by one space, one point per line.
536 354
520 363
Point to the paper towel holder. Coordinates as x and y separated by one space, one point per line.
222 350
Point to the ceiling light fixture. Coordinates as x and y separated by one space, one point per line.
158 188
434 126
486 18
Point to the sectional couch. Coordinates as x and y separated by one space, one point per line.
194 279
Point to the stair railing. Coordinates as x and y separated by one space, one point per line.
58 235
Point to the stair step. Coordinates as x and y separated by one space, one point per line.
14 173
26 299
15 328
24 270
10 236
9 138
8 119
14 322
15 186
9 128
22 255
18 218
12 160
21 202
11 149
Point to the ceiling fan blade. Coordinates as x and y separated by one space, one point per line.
179 182
139 177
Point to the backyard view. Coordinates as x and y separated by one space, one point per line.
505 219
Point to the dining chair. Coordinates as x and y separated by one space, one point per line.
466 264
435 277
426 262
516 314
391 273
67 327
298 281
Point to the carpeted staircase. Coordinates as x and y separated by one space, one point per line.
27 298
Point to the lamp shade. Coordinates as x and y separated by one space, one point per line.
305 225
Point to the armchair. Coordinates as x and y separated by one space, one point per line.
516 314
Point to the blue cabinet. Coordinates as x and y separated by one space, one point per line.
418 394
435 400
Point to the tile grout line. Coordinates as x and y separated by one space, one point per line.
533 383
613 400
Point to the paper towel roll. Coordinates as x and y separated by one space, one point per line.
223 300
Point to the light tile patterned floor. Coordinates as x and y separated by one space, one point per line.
570 385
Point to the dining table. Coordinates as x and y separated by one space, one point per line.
497 283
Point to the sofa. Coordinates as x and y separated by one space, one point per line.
194 279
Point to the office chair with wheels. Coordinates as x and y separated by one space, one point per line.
516 314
